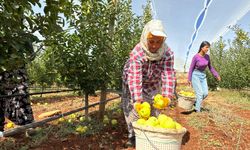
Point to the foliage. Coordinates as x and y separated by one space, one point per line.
147 12
92 55
19 23
42 70
89 53
232 61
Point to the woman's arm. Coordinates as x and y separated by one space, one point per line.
212 70
135 80
191 69
168 76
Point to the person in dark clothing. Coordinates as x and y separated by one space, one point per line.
18 108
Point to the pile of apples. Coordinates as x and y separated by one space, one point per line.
186 94
107 121
161 102
161 121
143 109
81 129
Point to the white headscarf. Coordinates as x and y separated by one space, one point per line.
154 27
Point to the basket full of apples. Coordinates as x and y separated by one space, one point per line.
157 132
186 100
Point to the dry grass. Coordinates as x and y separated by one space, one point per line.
238 98
198 120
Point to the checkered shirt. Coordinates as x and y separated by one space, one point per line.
146 76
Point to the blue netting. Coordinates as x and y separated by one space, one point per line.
198 25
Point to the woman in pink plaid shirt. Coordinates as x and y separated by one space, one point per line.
147 72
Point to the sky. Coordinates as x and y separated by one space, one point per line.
179 16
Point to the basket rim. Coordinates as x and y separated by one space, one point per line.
159 130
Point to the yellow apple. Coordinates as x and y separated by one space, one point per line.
114 122
169 125
105 120
178 126
82 119
61 120
141 121
153 121
145 104
10 125
144 113
70 121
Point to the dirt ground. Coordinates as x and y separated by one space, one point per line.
220 126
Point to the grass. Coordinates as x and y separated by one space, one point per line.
222 115
206 136
65 129
240 98
25 147
114 109
217 119
8 143
42 134
225 120
61 130
198 121
215 143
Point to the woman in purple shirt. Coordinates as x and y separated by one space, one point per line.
196 75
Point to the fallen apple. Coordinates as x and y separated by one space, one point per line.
114 122
82 119
10 125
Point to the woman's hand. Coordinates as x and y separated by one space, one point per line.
218 78
190 83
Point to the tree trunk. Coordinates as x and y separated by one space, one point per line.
86 104
102 103
42 91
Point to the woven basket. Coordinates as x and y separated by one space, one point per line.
186 102
149 138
